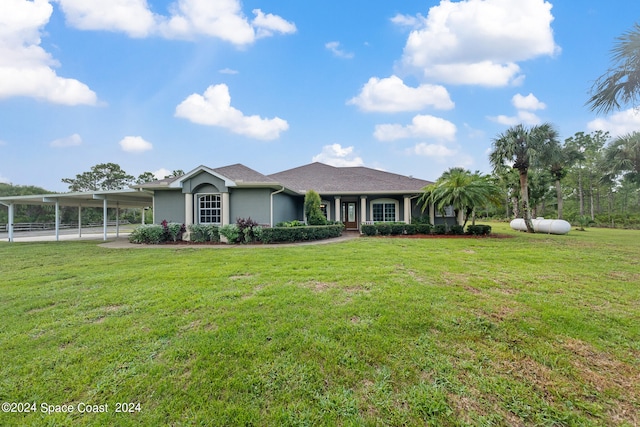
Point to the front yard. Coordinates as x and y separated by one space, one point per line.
529 330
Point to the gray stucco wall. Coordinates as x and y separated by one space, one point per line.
287 208
168 205
250 202
191 185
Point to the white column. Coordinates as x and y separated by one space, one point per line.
117 219
226 209
338 208
57 220
79 221
143 215
10 222
363 209
104 219
188 214
407 210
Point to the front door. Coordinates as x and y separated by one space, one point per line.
350 215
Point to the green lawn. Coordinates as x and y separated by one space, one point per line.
527 330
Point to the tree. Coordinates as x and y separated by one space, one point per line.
145 177
104 176
623 157
620 85
558 159
461 189
312 209
522 147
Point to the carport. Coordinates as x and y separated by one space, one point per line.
127 198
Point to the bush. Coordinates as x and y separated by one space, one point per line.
368 229
298 234
424 228
294 223
248 230
150 234
397 228
201 233
457 230
173 231
479 230
231 232
440 229
384 229
410 229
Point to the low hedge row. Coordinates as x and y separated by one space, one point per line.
299 234
397 228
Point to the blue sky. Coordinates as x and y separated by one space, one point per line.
411 87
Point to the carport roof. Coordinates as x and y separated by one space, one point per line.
127 198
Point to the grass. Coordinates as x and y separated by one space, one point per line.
528 330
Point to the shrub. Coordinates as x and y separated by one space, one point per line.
151 234
294 223
457 230
384 229
231 232
297 234
248 230
368 229
173 231
479 230
201 233
397 228
424 228
440 229
312 204
410 229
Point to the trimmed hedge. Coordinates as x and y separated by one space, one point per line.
299 234
201 233
154 234
394 229
479 230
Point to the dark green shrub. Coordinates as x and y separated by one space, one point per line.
440 229
298 234
397 228
384 229
457 230
312 204
248 230
231 232
368 229
151 234
424 228
410 229
479 230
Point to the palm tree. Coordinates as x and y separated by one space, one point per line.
620 84
461 189
522 147
558 160
623 156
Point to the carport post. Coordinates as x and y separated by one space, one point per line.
10 206
117 219
57 220
104 219
79 221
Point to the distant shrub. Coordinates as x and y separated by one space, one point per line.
410 229
294 223
231 232
397 228
440 229
369 229
479 230
457 230
384 229
248 230
153 234
424 228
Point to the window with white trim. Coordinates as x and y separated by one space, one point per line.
384 210
448 212
209 209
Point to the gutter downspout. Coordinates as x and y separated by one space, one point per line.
271 203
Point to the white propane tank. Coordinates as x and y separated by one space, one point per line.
541 225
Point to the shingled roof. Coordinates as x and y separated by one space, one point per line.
326 179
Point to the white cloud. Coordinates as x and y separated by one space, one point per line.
268 24
228 71
408 20
187 19
525 105
442 154
132 17
392 95
26 69
335 48
69 141
336 155
213 108
618 124
135 144
162 173
529 102
422 126
479 41
4 180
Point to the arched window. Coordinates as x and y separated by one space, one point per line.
209 209
384 210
